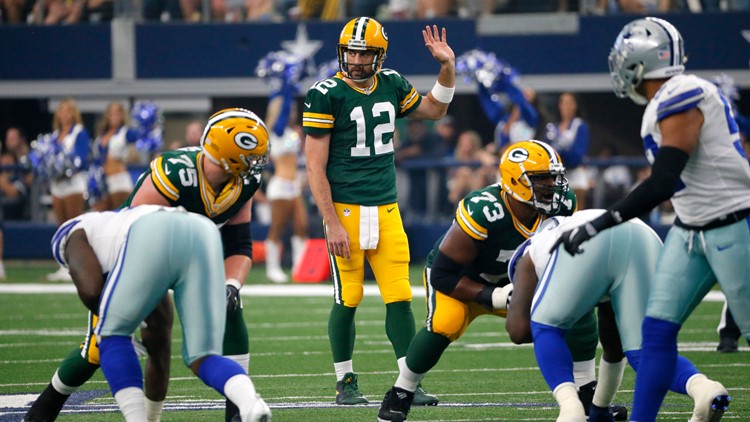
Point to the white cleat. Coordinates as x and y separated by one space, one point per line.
259 412
276 275
710 403
61 275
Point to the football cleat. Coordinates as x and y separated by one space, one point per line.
258 412
396 405
347 391
423 398
727 345
710 403
586 395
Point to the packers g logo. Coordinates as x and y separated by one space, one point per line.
385 36
246 141
518 155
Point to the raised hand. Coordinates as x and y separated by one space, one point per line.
437 43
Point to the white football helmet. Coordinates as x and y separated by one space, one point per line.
648 48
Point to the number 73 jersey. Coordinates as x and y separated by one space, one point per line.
485 216
361 168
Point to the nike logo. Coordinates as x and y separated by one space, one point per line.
307 105
721 248
167 171
391 209
470 212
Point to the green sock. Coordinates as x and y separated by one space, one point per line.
583 338
75 369
341 332
425 351
236 340
399 326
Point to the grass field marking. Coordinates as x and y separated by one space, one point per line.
258 290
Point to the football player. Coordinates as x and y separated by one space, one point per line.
693 143
217 180
614 273
146 251
349 122
466 272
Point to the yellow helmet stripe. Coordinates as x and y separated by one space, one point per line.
161 181
469 226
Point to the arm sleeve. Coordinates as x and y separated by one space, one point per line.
657 188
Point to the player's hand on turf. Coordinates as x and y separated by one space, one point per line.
573 238
233 298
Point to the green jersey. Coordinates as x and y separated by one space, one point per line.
178 176
361 122
486 217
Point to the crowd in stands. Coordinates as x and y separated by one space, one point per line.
55 12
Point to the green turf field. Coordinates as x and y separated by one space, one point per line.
482 377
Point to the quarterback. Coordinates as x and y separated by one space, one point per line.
349 122
613 274
217 180
466 273
693 143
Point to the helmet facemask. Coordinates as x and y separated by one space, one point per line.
548 189
376 64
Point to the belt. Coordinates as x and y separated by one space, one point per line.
722 221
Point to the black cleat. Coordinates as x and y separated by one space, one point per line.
396 405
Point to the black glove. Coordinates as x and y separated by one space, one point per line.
233 298
573 238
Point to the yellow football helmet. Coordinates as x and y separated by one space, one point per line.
237 140
532 172
363 33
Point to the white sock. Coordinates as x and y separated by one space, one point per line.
694 383
407 379
342 368
60 387
241 391
571 408
273 256
243 360
610 377
132 404
298 249
153 410
584 372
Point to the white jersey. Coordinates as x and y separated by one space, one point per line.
716 178
287 143
106 232
538 245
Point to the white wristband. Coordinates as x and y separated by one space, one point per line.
501 297
233 282
443 93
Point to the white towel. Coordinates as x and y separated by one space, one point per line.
369 229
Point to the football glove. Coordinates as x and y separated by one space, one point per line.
573 238
233 298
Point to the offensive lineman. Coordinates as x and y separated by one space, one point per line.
217 180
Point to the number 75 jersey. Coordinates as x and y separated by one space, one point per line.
361 168
178 176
